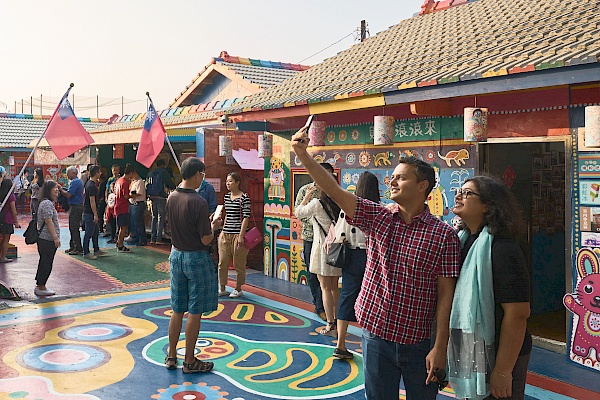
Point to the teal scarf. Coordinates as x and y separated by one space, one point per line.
471 351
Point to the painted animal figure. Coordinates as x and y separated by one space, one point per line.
585 304
276 179
459 157
383 158
320 157
333 160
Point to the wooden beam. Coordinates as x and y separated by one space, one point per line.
438 108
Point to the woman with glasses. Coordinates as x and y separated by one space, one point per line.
231 240
489 344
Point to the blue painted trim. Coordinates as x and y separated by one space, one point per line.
253 126
527 80
181 139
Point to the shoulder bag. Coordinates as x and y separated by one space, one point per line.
252 237
32 234
336 252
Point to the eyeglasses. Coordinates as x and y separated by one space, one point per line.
466 193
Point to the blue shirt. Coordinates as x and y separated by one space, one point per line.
76 191
207 191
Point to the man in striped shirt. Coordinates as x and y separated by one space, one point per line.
413 262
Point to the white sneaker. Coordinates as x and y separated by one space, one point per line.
43 292
223 293
236 294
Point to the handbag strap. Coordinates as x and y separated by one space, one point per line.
320 226
43 223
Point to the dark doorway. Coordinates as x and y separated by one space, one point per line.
535 171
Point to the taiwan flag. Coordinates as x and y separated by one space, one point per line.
64 132
152 140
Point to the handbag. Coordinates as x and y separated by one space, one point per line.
337 256
253 236
32 234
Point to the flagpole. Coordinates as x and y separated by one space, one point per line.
167 138
14 183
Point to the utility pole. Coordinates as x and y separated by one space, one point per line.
363 30
31 104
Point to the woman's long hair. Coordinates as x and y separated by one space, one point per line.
504 216
46 191
4 189
367 187
38 175
332 209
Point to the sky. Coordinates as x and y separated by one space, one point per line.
113 49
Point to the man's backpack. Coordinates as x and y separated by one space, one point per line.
154 183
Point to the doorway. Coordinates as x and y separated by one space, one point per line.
535 172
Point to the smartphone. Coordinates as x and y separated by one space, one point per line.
307 124
218 212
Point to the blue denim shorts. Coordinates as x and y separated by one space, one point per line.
194 282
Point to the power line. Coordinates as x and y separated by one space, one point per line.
333 44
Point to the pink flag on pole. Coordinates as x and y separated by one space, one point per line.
152 140
64 132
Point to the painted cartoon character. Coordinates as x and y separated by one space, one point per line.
276 178
585 304
333 160
437 199
459 157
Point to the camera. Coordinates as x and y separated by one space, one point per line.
224 119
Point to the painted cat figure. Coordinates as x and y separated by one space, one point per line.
585 304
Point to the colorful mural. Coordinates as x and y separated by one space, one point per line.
584 303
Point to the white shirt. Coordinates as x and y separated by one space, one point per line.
140 187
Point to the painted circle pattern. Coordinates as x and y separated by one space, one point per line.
95 332
63 358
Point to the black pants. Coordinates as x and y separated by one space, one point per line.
46 250
75 214
313 280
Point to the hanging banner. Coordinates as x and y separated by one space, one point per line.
47 157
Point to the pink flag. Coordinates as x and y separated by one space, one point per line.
64 132
152 140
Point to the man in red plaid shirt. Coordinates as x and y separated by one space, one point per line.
413 262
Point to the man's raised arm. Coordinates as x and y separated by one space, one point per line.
322 177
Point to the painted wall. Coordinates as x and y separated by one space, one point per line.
349 152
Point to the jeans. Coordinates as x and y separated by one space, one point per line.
91 232
138 228
46 250
385 362
75 213
313 280
159 206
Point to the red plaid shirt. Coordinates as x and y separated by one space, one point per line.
397 301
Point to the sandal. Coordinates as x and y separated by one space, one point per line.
171 362
342 354
197 366
330 329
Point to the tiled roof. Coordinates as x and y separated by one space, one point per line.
18 130
264 77
476 40
262 73
169 118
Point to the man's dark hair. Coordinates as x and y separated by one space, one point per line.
94 170
423 170
327 166
129 169
160 163
190 167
